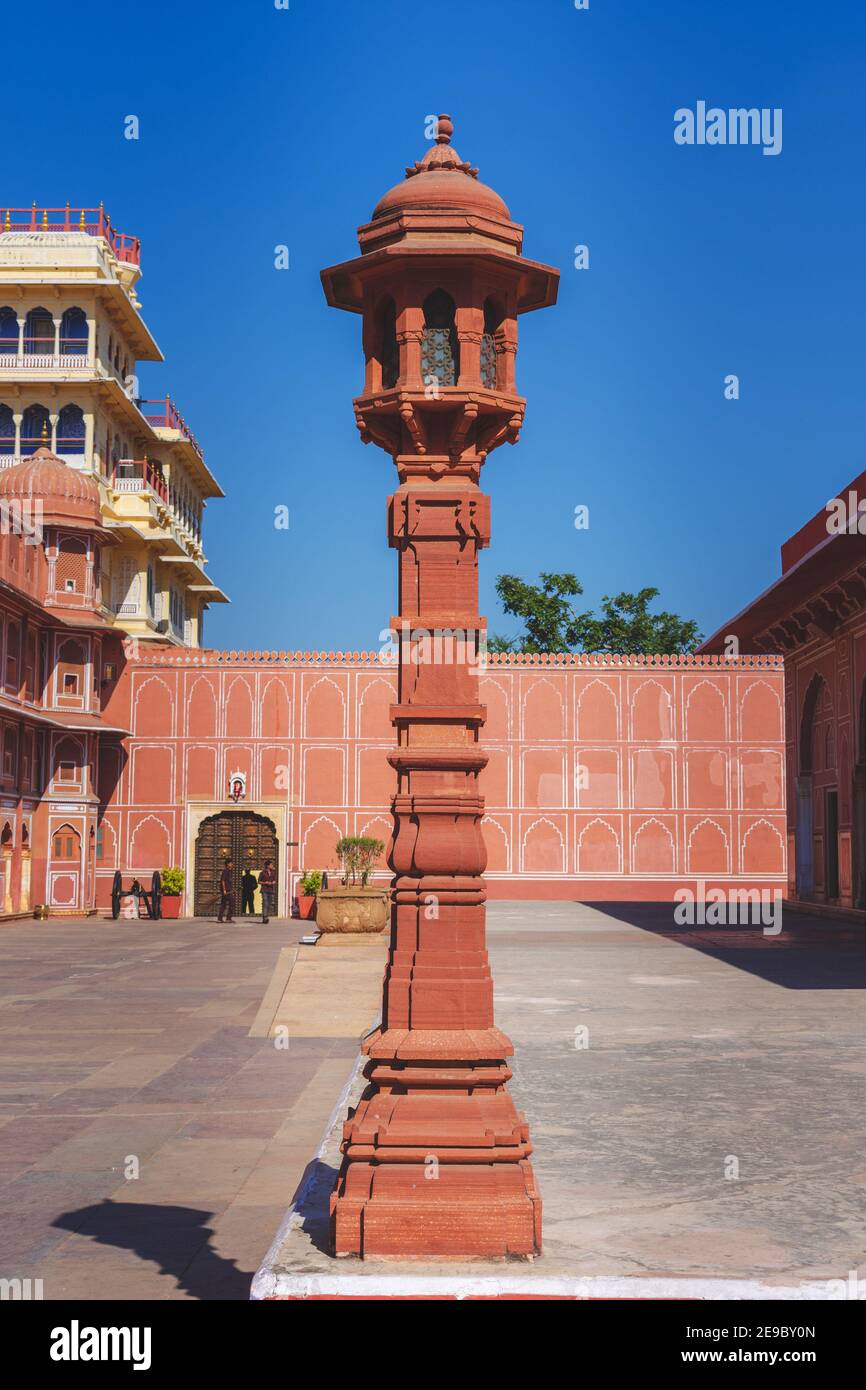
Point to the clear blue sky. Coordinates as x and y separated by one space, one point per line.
261 126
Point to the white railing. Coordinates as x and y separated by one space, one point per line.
132 485
74 460
44 361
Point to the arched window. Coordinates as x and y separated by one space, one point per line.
492 321
70 430
807 725
73 332
440 350
389 348
66 843
8 330
35 429
67 762
7 430
38 333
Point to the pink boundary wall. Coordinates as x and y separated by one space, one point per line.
609 777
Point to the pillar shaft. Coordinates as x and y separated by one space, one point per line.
436 1156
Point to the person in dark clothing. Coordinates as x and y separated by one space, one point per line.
248 892
227 892
268 884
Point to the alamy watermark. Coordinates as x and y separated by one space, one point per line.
416 646
729 907
739 125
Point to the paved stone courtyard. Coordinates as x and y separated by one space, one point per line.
708 1052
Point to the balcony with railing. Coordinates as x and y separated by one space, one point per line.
137 476
94 221
164 414
38 341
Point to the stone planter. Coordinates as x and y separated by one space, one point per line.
353 909
169 906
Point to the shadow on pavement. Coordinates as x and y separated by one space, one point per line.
808 953
175 1238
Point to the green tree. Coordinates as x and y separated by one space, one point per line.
624 626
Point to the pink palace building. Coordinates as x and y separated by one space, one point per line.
128 746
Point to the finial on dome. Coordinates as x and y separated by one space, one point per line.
444 130
442 155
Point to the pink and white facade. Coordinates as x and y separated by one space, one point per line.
608 777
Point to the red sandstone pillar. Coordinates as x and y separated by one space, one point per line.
436 1157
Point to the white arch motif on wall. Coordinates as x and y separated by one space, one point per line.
140 824
543 820
229 687
600 820
762 820
639 689
209 685
324 680
139 691
644 825
751 688
596 680
712 685
280 683
708 820
524 696
365 690
326 820
482 681
108 860
382 823
489 820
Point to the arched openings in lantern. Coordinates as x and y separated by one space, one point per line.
389 348
8 330
70 430
493 317
440 347
73 332
35 429
38 333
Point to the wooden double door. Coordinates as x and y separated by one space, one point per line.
242 836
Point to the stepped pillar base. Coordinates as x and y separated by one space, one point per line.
435 1155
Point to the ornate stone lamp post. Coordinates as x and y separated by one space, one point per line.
436 1157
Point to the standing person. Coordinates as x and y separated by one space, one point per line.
268 884
227 892
248 891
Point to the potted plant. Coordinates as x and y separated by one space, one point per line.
355 906
308 888
171 893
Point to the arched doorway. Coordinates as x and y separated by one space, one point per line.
859 806
804 831
242 836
